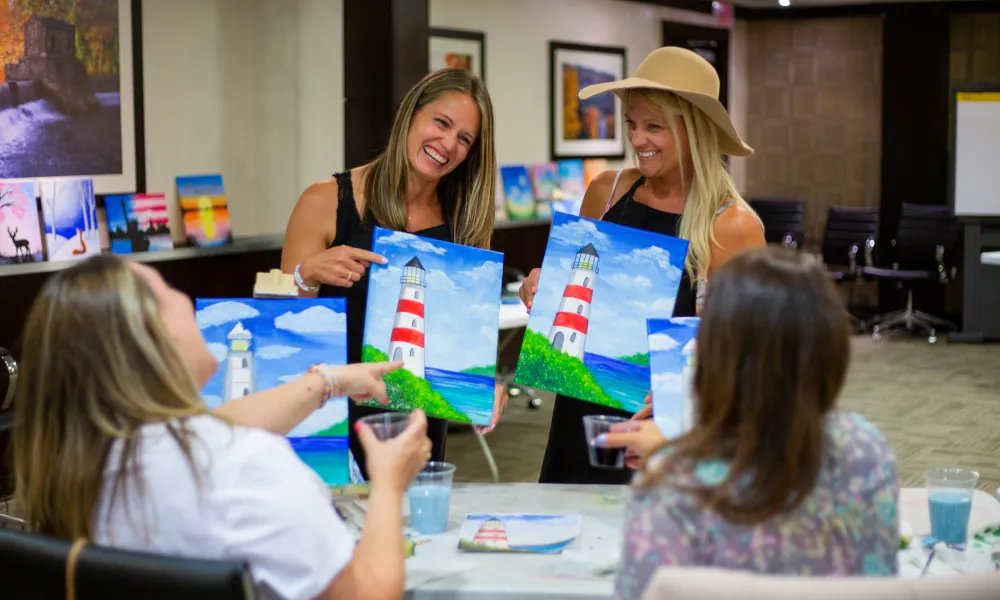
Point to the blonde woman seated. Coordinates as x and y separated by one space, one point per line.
772 478
113 444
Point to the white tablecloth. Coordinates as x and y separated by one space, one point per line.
586 569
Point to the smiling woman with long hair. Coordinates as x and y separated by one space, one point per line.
436 178
771 478
113 444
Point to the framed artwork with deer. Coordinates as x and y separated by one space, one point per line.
20 231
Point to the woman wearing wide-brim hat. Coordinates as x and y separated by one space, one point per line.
679 133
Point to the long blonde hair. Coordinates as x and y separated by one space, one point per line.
708 188
97 365
467 194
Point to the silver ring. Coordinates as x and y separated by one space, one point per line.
350 275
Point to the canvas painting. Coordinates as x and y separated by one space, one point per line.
586 335
205 210
66 91
590 127
517 189
457 48
138 223
512 532
436 307
69 213
671 367
21 233
264 343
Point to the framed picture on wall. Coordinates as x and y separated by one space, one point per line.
711 43
458 48
591 128
67 96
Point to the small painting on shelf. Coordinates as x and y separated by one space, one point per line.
436 307
138 223
69 213
586 334
205 210
21 233
263 343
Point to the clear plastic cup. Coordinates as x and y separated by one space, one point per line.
387 425
430 498
601 457
949 494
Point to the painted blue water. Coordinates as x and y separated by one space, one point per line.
325 455
470 394
624 381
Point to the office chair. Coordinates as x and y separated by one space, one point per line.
849 232
35 567
784 220
921 252
8 383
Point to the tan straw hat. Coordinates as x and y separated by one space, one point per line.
689 76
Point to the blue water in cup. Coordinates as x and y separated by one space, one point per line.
429 507
949 512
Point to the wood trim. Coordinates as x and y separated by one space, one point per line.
859 10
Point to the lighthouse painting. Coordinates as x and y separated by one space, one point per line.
586 333
671 365
435 306
516 532
263 343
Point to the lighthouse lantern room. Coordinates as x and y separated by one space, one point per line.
569 328
407 340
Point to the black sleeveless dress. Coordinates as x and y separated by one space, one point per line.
566 459
351 231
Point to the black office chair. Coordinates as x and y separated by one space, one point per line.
850 232
921 252
784 220
35 567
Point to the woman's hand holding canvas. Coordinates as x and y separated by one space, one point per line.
599 283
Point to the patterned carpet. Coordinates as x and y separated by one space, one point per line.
939 405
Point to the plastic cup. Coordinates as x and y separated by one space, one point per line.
949 493
430 498
387 425
601 457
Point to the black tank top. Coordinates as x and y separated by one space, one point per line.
352 231
631 213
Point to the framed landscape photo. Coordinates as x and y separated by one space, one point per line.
67 92
591 128
458 48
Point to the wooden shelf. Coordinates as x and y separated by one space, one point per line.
239 246
519 223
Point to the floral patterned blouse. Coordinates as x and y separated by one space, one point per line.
848 525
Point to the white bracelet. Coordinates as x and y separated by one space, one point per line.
302 284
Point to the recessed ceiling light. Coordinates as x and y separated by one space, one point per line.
784 2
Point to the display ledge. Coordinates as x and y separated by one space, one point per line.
241 245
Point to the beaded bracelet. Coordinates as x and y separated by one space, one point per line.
301 282
329 384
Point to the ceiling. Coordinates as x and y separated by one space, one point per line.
801 3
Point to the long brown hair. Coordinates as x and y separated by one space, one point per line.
772 353
97 365
467 194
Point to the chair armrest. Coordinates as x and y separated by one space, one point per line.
789 241
11 366
943 276
852 258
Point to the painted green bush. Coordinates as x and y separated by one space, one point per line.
542 367
407 391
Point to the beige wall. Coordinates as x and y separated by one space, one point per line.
249 88
815 113
254 88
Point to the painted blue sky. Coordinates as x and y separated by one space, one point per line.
667 340
289 336
200 185
639 274
462 308
113 208
69 213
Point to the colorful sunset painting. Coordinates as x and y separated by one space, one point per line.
205 210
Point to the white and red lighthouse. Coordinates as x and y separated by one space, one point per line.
569 328
407 340
492 534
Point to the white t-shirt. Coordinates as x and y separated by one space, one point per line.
257 502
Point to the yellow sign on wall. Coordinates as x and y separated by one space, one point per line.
979 96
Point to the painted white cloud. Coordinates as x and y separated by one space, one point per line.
287 378
661 342
488 271
690 346
224 312
652 256
621 280
219 351
481 309
211 400
315 319
405 240
276 352
580 233
439 280
662 306
666 383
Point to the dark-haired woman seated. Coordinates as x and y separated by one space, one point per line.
771 478
112 443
